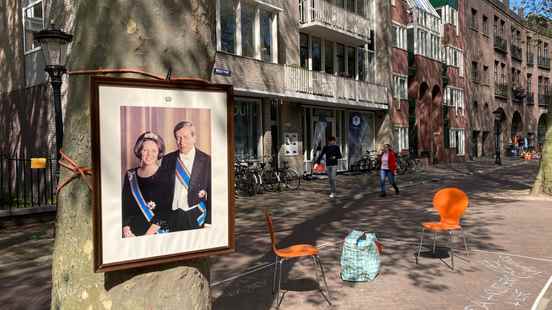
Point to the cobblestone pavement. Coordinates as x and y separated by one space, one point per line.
509 264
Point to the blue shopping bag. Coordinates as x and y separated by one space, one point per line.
360 257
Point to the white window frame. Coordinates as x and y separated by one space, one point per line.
453 53
258 6
457 140
400 35
399 92
454 97
401 138
30 5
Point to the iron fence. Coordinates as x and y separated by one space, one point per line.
24 186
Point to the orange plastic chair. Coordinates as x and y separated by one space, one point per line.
294 251
451 203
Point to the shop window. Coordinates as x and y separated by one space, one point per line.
457 140
247 134
33 20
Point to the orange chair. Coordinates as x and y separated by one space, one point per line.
294 251
451 203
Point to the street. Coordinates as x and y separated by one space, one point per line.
508 234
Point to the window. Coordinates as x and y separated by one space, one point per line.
247 29
485 25
457 140
454 97
340 55
33 20
266 36
400 87
253 34
329 57
351 62
474 72
247 132
399 36
473 23
455 58
451 16
316 54
304 50
529 90
485 77
400 135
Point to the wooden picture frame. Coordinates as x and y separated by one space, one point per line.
163 160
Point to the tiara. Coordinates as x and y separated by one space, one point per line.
150 135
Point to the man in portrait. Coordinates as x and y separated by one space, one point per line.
188 174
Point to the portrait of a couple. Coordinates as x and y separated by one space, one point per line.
168 191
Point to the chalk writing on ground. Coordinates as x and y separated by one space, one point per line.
503 290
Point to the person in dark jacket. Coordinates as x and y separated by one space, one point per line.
388 160
188 174
333 154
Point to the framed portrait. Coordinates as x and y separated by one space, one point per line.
162 155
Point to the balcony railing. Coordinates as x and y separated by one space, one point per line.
314 83
334 17
516 52
544 62
518 93
500 44
501 90
530 98
530 59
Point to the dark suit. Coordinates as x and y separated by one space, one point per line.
199 180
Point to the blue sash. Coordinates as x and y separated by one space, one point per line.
183 176
140 201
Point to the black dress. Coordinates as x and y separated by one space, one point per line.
153 189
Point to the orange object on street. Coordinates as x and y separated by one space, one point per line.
451 203
294 251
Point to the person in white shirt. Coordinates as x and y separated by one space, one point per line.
188 172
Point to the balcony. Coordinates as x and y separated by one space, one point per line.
530 59
515 52
314 85
530 99
254 77
500 44
518 93
501 90
544 62
329 21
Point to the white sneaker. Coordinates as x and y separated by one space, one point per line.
332 195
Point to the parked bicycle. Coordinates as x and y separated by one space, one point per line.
277 179
368 162
405 163
247 178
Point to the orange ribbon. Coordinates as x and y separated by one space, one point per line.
77 170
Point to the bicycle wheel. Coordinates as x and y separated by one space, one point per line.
270 180
291 179
245 184
401 166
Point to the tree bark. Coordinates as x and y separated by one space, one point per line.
543 181
152 35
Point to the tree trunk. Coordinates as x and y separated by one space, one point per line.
543 181
152 35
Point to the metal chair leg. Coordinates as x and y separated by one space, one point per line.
278 298
275 274
324 278
451 250
434 242
420 246
316 272
465 243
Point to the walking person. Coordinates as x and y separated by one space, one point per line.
333 154
388 160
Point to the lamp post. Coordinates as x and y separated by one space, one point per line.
498 119
52 42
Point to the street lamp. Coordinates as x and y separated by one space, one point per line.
498 119
52 42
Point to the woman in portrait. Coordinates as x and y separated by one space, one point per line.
144 194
